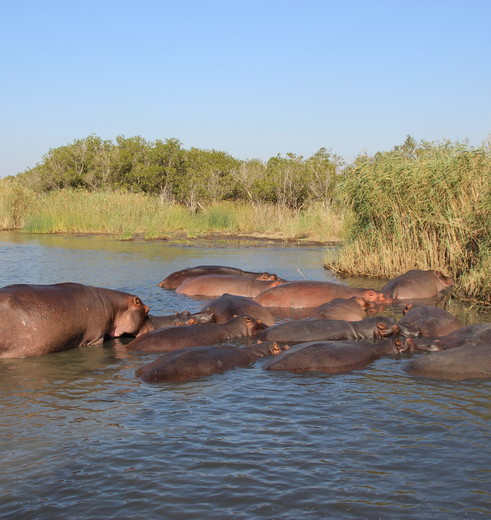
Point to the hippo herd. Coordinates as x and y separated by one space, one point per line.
342 328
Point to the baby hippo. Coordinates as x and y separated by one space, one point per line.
194 362
333 356
172 338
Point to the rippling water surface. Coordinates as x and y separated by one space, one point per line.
82 438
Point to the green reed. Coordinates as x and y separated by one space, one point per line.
424 206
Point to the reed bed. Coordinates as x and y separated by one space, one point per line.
420 207
128 214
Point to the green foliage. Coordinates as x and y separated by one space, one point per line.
194 177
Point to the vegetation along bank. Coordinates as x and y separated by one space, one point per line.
422 205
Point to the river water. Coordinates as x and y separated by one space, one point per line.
83 439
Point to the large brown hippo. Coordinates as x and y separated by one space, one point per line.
40 319
324 330
332 356
218 284
303 294
457 364
172 338
470 336
417 284
174 320
431 321
226 306
175 279
349 309
194 362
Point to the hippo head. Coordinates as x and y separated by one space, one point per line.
252 326
423 344
361 302
130 318
443 281
378 297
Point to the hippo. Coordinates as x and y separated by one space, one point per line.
348 309
217 284
41 319
174 320
194 362
470 336
175 279
324 330
456 364
301 294
333 357
431 321
226 306
417 284
173 338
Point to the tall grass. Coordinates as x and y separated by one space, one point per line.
424 207
129 214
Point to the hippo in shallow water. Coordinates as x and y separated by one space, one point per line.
456 364
41 319
216 285
324 330
174 320
172 338
177 278
417 284
470 336
332 356
193 362
348 309
312 294
431 321
226 306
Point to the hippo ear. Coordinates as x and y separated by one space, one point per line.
408 307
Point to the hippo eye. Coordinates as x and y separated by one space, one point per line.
138 301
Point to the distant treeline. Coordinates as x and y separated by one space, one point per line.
193 177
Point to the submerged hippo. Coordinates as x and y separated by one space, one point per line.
172 338
349 309
174 320
226 306
470 336
218 284
193 362
312 294
324 330
457 364
332 356
175 279
431 321
40 319
417 284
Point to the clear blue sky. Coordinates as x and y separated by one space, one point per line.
254 78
